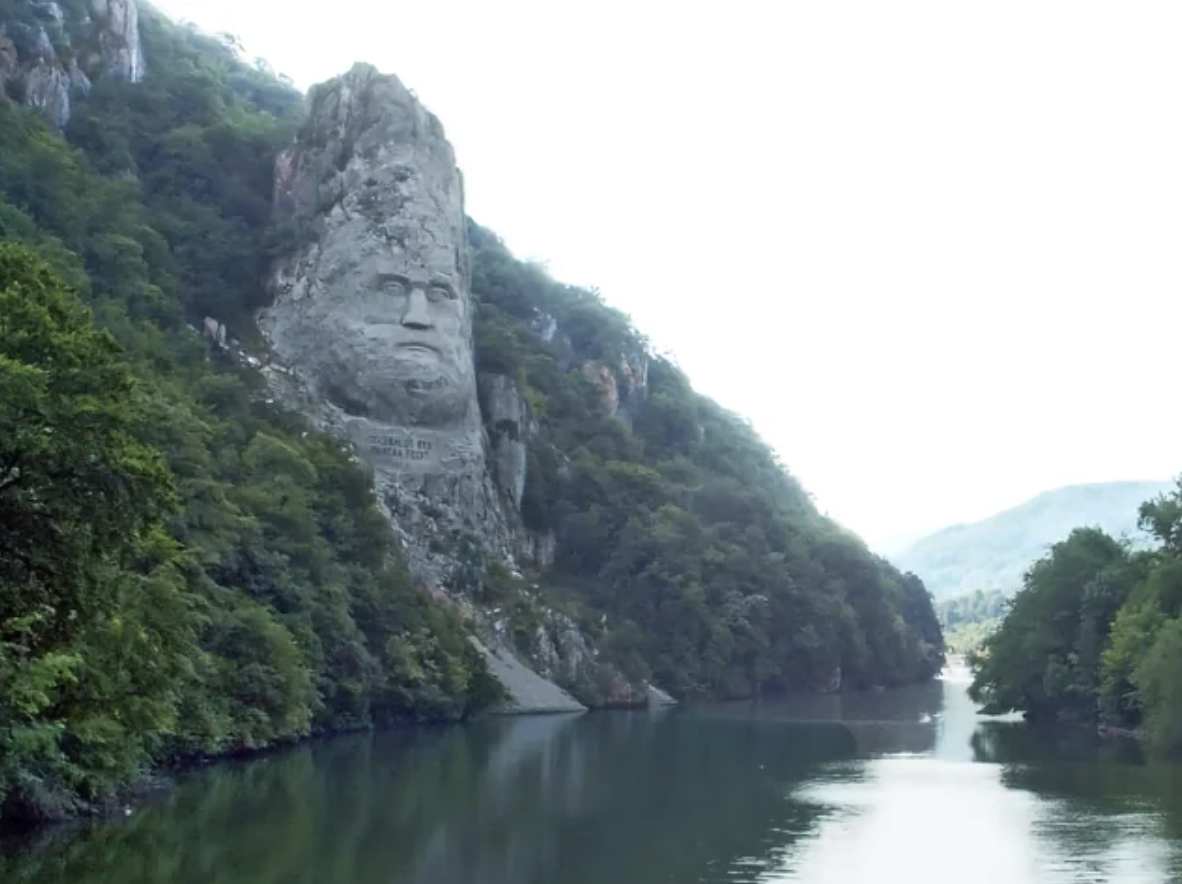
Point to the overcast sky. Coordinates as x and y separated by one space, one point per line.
932 250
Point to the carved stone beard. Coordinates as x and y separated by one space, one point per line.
373 372
420 389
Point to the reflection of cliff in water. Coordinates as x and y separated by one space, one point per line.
611 779
593 798
906 720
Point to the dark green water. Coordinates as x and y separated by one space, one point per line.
908 786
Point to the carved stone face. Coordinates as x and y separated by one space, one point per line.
401 340
372 310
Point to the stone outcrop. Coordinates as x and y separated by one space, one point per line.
528 691
115 47
658 697
40 51
564 654
603 379
634 372
370 334
541 548
620 392
9 64
372 312
507 418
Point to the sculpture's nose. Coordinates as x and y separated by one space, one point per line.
416 314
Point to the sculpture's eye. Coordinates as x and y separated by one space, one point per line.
394 287
440 293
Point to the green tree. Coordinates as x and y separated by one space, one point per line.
1045 657
92 626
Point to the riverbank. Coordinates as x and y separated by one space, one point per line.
39 804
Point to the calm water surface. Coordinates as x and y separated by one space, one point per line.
908 786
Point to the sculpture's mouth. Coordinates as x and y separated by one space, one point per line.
418 347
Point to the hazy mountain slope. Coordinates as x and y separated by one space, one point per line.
994 553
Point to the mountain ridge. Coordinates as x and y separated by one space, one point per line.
992 553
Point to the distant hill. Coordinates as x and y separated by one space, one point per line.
994 553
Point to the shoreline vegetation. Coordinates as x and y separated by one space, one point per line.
1094 637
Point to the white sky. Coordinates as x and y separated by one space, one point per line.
931 249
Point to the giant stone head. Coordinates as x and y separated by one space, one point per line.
371 306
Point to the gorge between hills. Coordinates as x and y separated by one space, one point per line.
314 497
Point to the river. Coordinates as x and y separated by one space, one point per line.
909 786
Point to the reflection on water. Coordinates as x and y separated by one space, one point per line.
899 786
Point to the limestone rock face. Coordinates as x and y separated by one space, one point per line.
41 46
541 548
117 47
563 654
47 86
619 395
604 381
634 371
370 335
528 691
372 312
506 416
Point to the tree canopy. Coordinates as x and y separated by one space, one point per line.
1095 635
694 556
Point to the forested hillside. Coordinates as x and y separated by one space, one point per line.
716 572
188 570
1095 635
994 553
184 569
967 620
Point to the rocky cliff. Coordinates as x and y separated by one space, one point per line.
51 51
372 312
598 523
370 332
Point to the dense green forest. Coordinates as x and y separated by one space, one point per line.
1095 635
716 573
968 620
187 570
184 570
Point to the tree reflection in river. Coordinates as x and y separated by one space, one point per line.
1106 804
908 785
601 797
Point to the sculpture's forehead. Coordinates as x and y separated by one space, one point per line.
444 261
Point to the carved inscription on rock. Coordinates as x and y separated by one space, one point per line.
400 447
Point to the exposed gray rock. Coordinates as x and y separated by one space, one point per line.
506 416
39 56
51 14
657 697
372 311
562 653
46 86
9 64
528 691
832 685
370 335
620 392
117 47
545 326
541 549
604 381
634 371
